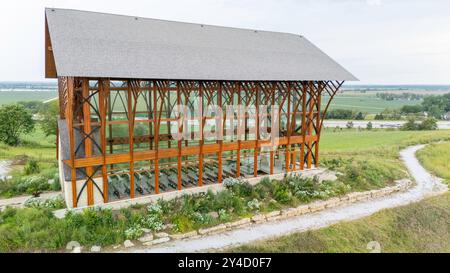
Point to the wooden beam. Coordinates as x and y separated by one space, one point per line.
303 130
103 85
87 141
288 127
180 132
219 154
200 156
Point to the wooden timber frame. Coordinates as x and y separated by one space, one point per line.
125 127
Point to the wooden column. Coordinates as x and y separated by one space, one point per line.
200 157
103 93
131 118
180 131
303 129
272 156
288 127
310 124
318 123
156 136
238 156
219 155
87 141
255 154
70 129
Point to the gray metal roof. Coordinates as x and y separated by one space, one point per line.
90 44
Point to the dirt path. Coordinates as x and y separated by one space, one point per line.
427 185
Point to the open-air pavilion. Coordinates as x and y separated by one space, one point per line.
121 80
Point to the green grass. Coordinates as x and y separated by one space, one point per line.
7 97
35 145
436 158
367 103
419 227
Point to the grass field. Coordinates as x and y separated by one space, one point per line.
419 227
35 145
367 103
7 97
436 158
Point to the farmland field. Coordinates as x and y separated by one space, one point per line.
7 97
367 103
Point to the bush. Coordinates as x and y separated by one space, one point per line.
51 203
32 167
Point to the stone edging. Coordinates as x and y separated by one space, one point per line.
401 185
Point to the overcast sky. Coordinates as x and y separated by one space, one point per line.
379 41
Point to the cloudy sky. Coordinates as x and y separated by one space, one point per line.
379 41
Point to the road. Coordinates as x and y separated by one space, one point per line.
377 123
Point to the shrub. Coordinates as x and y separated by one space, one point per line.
56 202
153 220
134 232
253 205
281 193
32 167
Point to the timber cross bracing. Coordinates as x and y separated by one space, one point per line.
116 137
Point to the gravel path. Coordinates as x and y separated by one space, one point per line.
427 185
18 202
4 169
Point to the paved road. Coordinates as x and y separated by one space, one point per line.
427 185
377 123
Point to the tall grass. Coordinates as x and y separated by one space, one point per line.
436 158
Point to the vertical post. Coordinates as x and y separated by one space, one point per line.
87 140
272 157
288 127
318 122
255 154
103 91
156 136
131 119
302 148
310 124
200 157
169 142
69 120
238 156
150 114
180 131
219 156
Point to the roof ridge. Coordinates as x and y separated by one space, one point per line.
178 22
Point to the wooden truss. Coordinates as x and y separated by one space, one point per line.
126 126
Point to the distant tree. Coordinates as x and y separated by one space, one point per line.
411 109
369 125
349 125
436 106
410 125
49 118
428 124
339 114
379 117
359 116
14 121
34 106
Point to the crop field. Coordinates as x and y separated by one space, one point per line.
7 97
366 102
